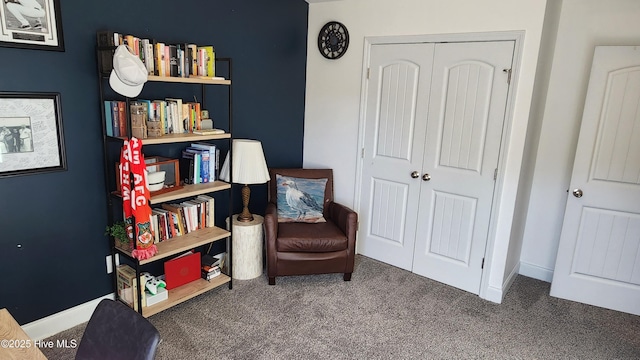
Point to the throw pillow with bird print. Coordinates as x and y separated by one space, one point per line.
300 200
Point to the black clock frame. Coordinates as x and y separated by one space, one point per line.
333 40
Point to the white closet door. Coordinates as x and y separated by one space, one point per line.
396 113
469 90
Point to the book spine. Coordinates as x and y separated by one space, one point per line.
122 118
210 61
108 120
193 55
204 166
173 60
115 116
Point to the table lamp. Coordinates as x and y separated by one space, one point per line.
249 167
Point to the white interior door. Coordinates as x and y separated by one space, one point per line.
598 260
396 113
433 127
469 89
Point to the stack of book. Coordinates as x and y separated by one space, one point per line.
210 267
160 59
200 163
177 219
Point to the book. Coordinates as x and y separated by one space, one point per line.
195 166
160 115
208 260
179 216
208 77
187 60
127 286
208 132
209 269
201 162
158 55
223 262
154 227
176 114
173 60
193 56
115 118
122 117
186 169
209 67
208 275
108 120
210 209
211 148
105 40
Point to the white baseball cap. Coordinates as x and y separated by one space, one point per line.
129 73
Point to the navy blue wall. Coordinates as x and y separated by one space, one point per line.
52 247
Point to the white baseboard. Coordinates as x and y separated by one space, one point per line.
53 324
536 272
495 294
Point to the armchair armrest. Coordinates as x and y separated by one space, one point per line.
271 234
347 221
345 218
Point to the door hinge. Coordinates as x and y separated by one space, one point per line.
508 72
362 153
495 174
482 266
368 73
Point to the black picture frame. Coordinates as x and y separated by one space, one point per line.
31 24
31 136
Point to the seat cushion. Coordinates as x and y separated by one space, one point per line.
303 237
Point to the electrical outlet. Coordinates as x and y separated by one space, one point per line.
110 264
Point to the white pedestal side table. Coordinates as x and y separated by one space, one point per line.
247 242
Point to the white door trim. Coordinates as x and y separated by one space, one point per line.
491 294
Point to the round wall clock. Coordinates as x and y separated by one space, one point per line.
333 40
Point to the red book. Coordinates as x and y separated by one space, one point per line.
122 118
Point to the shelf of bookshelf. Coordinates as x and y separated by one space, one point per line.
175 138
189 80
190 190
186 292
184 243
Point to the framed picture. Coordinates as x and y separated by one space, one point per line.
31 138
31 24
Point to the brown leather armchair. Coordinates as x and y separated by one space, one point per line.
295 248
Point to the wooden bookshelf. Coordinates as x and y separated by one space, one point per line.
186 292
198 239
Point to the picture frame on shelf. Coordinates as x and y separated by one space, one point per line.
157 164
31 136
31 24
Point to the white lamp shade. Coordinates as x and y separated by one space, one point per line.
249 165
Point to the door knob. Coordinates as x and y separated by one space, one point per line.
577 193
415 174
426 177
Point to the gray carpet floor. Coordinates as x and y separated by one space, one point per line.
383 313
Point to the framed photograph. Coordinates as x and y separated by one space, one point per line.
31 138
31 24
